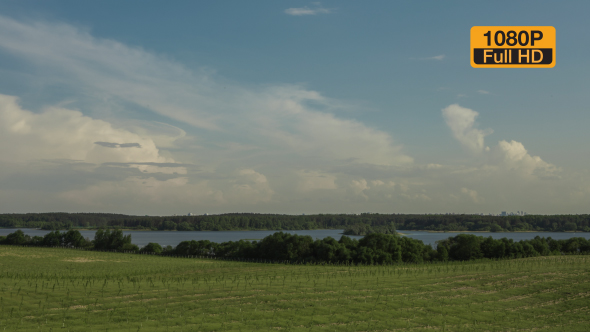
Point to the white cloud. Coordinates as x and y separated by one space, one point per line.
59 133
472 194
483 92
230 147
461 121
230 132
277 119
506 155
164 135
249 187
513 156
28 138
373 191
359 187
246 188
437 57
308 11
315 180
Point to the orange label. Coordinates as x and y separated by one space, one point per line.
513 47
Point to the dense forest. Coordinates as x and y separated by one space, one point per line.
253 221
374 248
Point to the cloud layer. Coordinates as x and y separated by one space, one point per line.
143 134
275 117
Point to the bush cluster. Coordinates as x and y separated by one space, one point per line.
104 239
374 248
468 247
71 238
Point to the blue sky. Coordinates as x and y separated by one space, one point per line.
148 107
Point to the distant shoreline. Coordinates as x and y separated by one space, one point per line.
175 230
353 224
283 230
430 231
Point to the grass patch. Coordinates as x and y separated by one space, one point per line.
46 289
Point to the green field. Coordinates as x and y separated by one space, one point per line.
47 289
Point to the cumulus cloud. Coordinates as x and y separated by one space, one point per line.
221 146
59 133
508 175
461 121
506 155
513 156
275 118
374 190
28 139
230 132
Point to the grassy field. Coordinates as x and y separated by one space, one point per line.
46 289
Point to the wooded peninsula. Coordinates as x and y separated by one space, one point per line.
374 248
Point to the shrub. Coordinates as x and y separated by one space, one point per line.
152 248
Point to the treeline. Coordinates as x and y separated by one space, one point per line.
58 220
374 248
104 239
377 248
468 247
252 221
71 238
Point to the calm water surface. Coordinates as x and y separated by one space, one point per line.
164 238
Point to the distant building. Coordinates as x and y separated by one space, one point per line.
503 214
